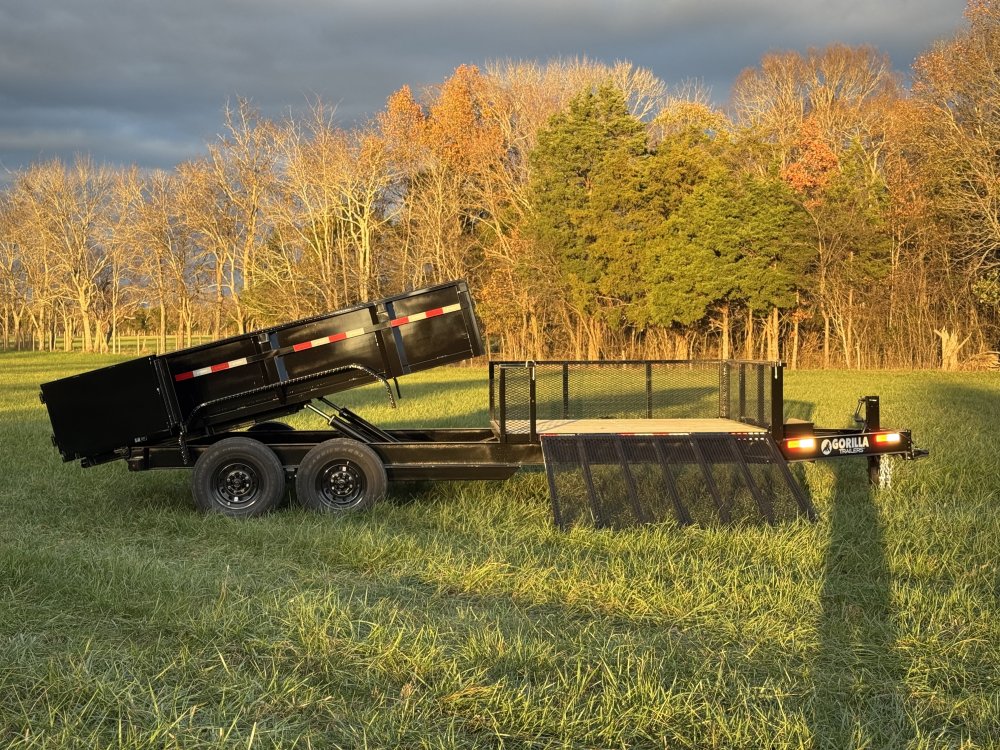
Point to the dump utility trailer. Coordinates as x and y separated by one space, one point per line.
622 443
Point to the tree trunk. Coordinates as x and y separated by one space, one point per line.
217 319
826 339
680 346
748 344
726 324
88 341
950 347
795 343
67 332
772 336
161 340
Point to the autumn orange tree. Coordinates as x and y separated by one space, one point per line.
819 120
957 101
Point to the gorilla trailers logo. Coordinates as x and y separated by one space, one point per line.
844 446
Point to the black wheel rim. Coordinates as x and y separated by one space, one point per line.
341 484
237 485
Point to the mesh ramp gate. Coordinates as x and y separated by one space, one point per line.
616 481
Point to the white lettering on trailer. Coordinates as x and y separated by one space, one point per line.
844 446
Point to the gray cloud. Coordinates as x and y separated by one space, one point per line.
138 81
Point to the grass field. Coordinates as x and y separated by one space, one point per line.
459 617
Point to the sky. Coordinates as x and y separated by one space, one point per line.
145 82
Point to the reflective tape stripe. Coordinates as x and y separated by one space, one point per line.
331 339
301 347
424 315
209 370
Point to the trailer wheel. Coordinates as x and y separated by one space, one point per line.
340 476
238 477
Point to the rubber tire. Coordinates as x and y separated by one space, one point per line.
243 456
270 427
358 463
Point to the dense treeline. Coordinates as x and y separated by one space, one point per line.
830 217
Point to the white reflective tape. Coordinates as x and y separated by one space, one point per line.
331 339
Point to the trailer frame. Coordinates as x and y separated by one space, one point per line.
749 401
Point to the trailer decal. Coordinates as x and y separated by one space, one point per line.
323 341
844 446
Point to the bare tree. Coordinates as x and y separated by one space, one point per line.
172 269
224 199
14 294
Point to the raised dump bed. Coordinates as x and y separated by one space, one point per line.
101 415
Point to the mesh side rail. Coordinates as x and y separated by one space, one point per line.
746 388
617 481
631 390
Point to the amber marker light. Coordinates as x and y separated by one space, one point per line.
801 444
887 438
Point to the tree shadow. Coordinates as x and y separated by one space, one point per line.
799 409
860 699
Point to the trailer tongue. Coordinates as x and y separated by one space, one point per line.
623 442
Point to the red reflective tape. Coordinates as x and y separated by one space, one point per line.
331 339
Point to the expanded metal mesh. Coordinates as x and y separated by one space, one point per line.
749 391
515 398
628 390
616 481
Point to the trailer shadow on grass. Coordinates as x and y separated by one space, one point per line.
859 696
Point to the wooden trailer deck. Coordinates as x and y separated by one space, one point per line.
632 426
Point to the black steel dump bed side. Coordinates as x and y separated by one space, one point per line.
96 416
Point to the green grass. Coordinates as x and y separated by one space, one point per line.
459 617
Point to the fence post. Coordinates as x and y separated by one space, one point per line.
725 375
565 390
777 403
649 390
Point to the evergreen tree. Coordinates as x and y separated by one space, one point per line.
732 241
586 188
